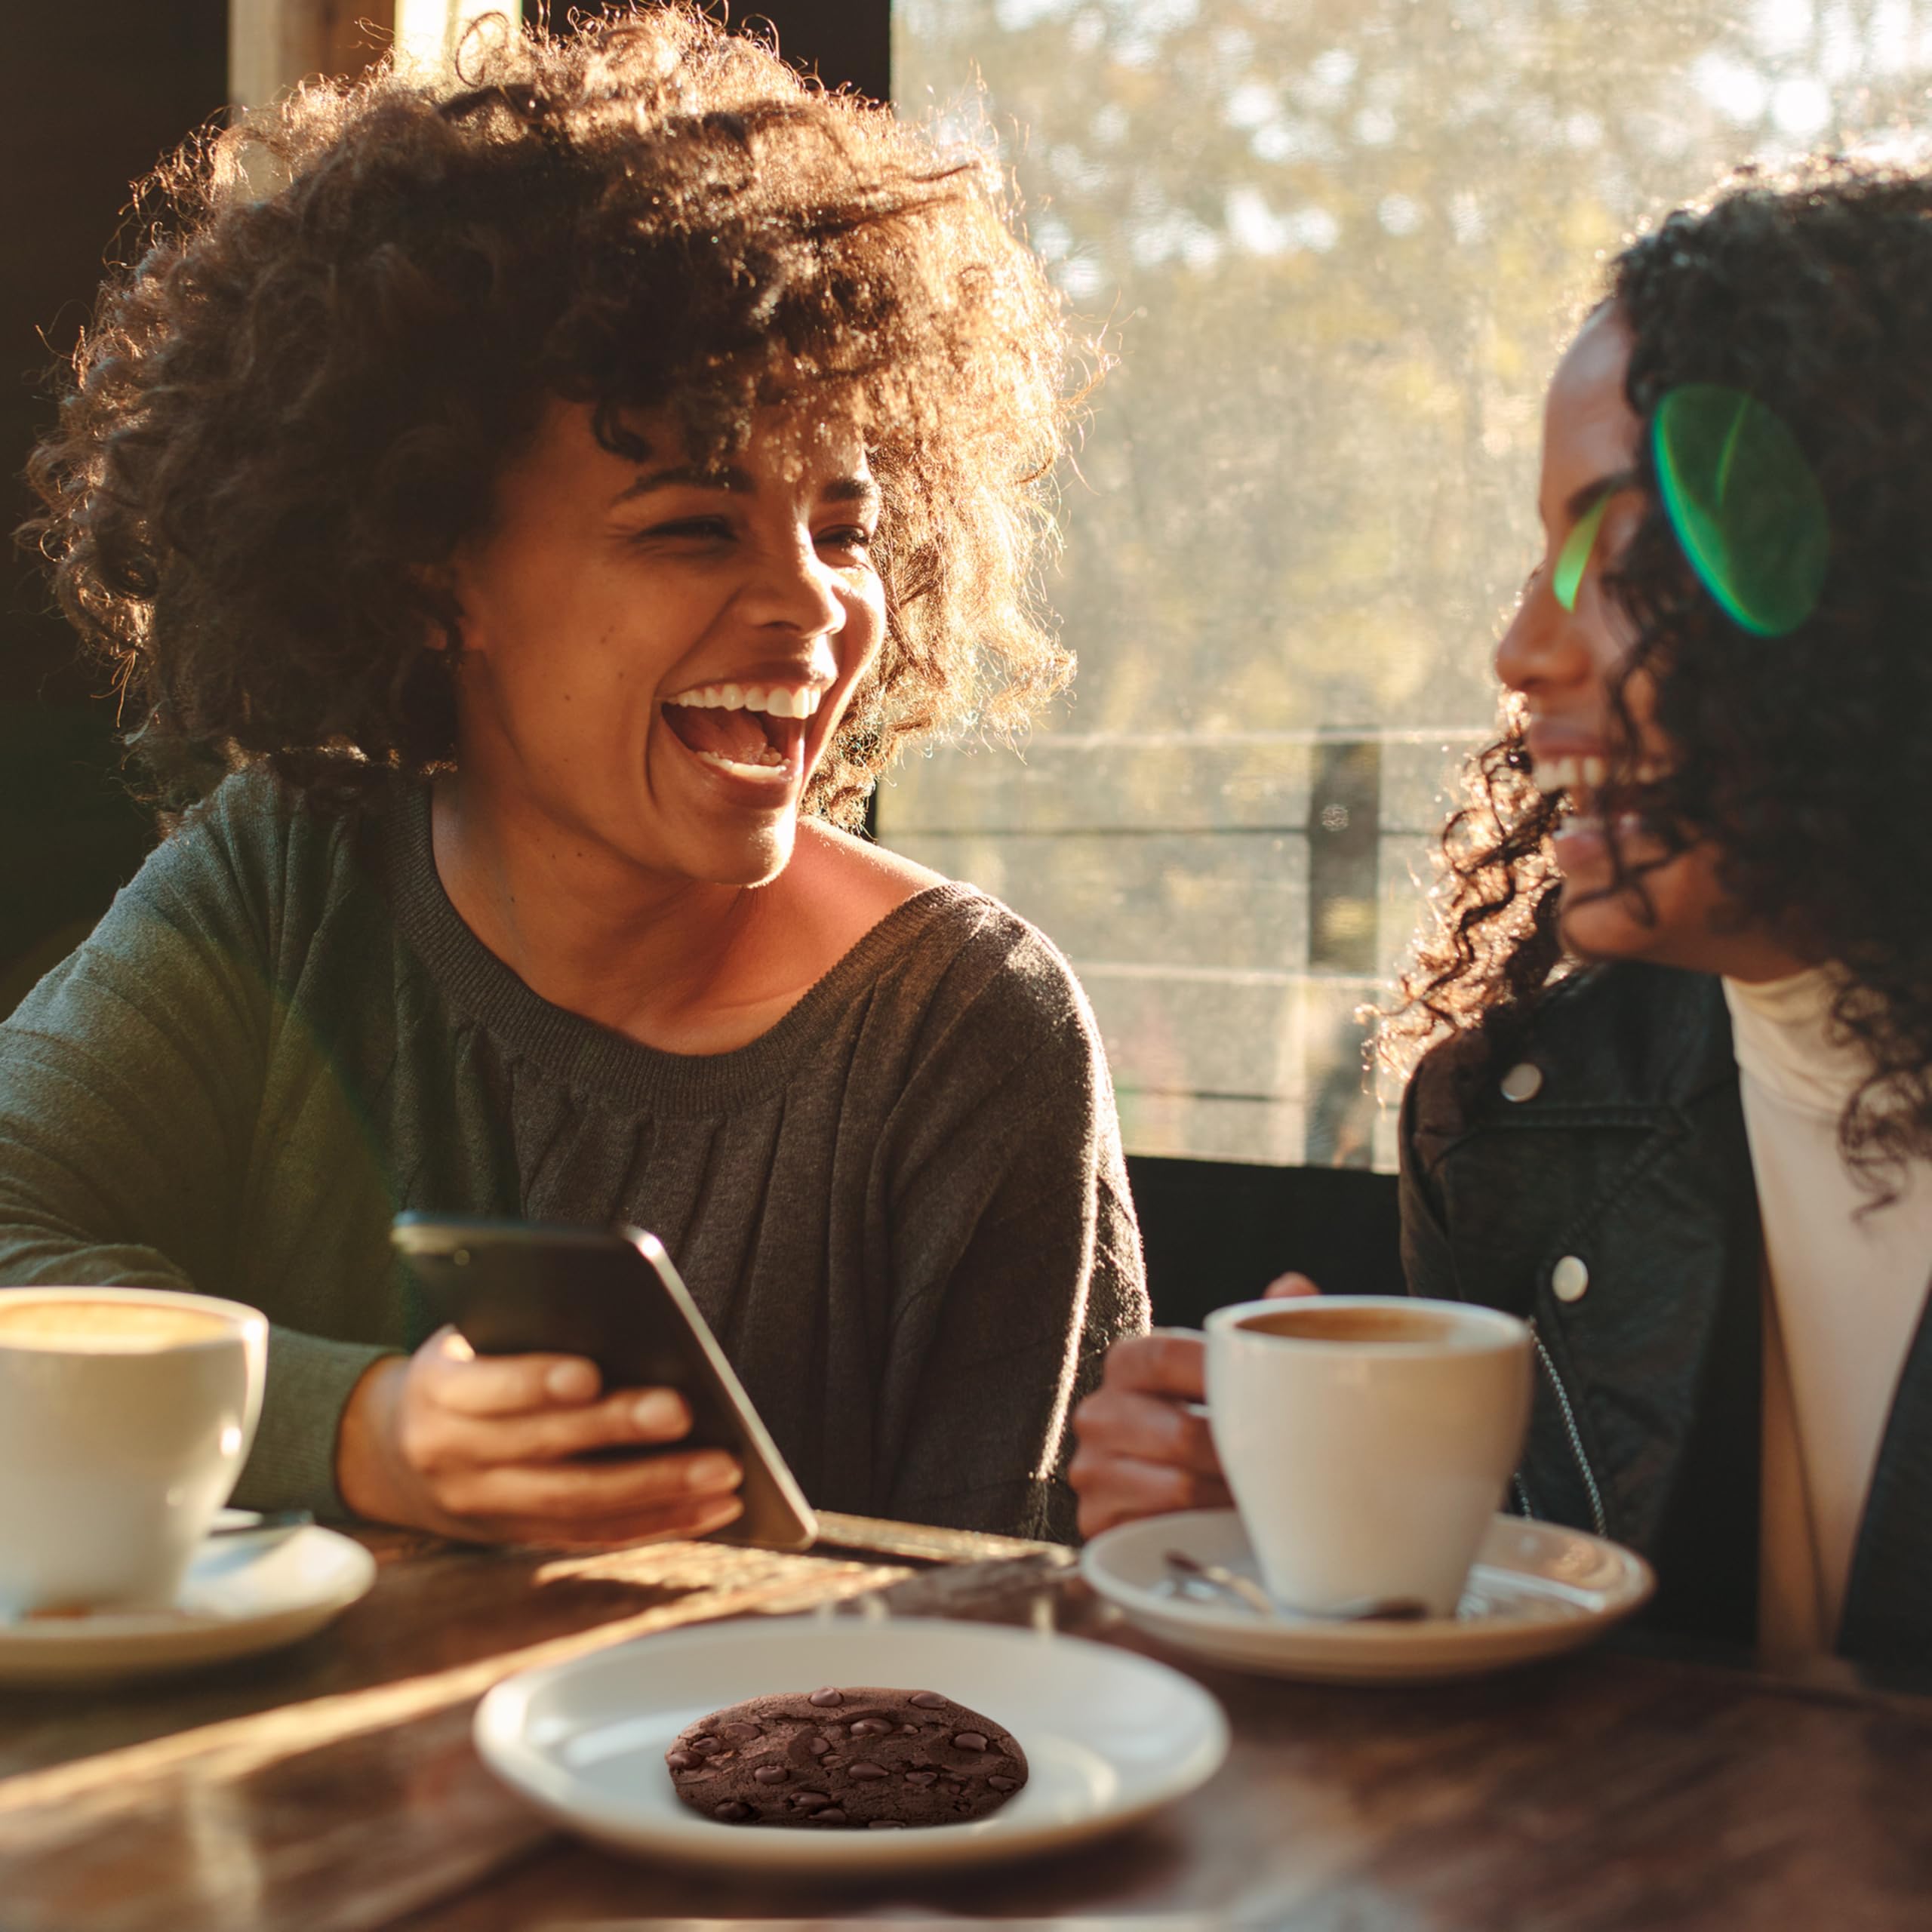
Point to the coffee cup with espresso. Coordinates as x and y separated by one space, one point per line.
1367 1440
126 1416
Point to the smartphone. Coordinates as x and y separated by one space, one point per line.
532 1287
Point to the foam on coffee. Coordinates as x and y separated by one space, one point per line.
102 1327
1309 1321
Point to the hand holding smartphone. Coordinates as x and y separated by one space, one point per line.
614 1297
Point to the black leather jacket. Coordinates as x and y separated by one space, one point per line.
1620 1173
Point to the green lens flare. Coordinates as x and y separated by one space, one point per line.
1574 558
1744 504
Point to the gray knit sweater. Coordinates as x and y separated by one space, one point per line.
903 1209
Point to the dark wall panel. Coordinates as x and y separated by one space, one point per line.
1217 1232
90 97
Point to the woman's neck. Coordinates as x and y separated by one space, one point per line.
680 964
676 964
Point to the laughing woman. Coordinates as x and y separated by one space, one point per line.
1675 1104
550 503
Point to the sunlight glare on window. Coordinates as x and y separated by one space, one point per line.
1337 244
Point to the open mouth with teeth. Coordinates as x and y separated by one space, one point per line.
749 731
1580 779
1577 783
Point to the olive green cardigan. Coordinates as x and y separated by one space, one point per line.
903 1209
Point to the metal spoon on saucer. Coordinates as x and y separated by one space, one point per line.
1361 1610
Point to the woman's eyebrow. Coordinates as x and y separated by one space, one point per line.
1582 501
842 489
690 477
851 490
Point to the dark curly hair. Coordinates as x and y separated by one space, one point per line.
351 307
1803 760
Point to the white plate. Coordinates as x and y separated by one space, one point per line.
1108 1736
1537 1588
242 1595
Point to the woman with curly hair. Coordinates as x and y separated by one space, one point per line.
1675 1102
544 507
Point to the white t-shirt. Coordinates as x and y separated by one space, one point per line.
1844 1294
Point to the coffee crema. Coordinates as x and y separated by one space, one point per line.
102 1327
1311 1322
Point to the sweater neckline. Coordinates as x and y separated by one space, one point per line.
587 1056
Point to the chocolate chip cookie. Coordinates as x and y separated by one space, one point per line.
865 1758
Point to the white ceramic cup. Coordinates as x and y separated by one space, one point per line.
1368 1440
126 1416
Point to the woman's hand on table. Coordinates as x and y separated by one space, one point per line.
481 1448
1143 1449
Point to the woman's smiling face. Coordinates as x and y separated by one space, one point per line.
656 655
1564 654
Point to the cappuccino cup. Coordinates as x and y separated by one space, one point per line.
126 1416
1367 1440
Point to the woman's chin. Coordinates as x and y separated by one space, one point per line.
1600 932
757 858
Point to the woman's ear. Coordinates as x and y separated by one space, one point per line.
440 598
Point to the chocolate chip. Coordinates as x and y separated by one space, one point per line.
704 1747
834 1817
951 1786
741 1733
731 1811
819 1746
922 1778
886 1825
870 1726
682 1760
928 1700
771 1774
827 1697
808 1801
970 1740
910 1727
1004 1784
867 1771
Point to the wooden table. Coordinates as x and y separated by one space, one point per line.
334 1785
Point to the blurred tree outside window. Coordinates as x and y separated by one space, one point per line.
1339 244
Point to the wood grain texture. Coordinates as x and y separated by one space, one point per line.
1608 1792
334 1785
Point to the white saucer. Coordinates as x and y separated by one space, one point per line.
1537 1588
1108 1736
242 1595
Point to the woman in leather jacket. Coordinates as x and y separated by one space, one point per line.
1673 1103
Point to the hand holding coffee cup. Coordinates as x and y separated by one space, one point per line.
125 1417
1142 1444
1367 1440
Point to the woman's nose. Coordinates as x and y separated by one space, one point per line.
795 589
1542 645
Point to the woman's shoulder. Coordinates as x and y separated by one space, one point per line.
253 854
945 951
1623 1034
858 882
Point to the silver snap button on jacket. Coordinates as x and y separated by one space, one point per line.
1523 1081
1569 1279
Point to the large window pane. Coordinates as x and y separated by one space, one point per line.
1338 243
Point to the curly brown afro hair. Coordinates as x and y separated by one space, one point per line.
352 306
1803 758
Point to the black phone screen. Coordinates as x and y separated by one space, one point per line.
515 1287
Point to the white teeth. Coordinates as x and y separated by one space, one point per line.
767 765
779 700
1563 774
